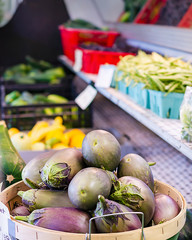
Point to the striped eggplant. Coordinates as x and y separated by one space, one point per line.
115 223
59 219
41 198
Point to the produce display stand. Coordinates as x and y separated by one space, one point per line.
167 129
167 230
24 117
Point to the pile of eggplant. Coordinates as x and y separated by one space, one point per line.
68 187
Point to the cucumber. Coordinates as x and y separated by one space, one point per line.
11 163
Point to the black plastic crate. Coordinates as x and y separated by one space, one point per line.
24 117
65 87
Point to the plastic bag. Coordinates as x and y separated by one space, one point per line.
186 115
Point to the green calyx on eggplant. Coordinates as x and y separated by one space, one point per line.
134 193
31 172
59 219
59 170
115 223
86 185
134 165
130 194
41 198
56 175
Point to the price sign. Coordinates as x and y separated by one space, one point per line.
105 76
85 98
78 60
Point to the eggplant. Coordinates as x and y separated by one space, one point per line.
135 194
20 211
87 185
116 223
59 170
166 208
59 219
31 172
41 198
134 165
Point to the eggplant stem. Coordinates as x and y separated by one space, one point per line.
20 193
102 201
32 184
128 195
22 218
151 163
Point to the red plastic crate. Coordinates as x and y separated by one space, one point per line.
71 38
150 12
186 21
92 59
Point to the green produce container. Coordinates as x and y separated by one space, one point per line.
122 87
165 106
139 94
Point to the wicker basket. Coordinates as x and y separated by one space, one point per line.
23 231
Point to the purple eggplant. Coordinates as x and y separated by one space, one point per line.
42 198
59 219
20 211
115 223
166 208
134 193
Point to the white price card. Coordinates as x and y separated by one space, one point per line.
105 76
4 222
78 60
85 98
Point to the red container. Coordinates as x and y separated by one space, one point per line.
186 21
150 12
92 59
71 38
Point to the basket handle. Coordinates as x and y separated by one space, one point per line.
88 236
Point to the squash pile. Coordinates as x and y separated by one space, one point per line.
47 135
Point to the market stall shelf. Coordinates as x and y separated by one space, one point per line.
168 129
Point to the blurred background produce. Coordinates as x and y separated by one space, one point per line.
157 72
34 71
47 135
131 8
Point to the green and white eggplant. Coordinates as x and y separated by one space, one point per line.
31 172
59 170
41 198
134 165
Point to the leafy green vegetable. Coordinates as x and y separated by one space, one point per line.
80 23
34 71
132 8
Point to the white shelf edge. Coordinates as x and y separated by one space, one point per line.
144 116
